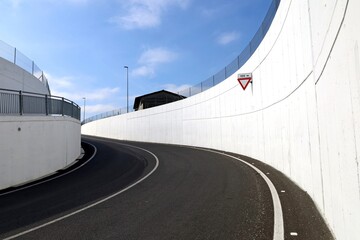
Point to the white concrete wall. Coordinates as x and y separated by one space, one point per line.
15 78
34 146
303 116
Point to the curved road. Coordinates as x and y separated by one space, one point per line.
188 193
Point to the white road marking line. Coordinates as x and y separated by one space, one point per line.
96 203
282 191
55 177
293 234
278 215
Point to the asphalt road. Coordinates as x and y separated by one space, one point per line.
188 193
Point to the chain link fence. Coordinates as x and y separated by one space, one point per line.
15 56
107 114
240 60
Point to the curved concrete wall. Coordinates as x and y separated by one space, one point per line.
301 116
15 78
34 146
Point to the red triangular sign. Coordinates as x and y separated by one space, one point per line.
244 82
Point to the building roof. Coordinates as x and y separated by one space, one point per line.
139 98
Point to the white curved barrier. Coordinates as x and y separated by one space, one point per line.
301 116
34 146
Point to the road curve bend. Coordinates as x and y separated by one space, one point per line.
152 191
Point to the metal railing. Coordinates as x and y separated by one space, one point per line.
107 114
25 103
240 60
224 73
13 55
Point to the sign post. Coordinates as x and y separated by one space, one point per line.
244 79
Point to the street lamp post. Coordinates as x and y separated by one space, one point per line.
84 107
127 88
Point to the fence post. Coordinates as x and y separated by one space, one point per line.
62 106
72 109
14 55
21 103
46 105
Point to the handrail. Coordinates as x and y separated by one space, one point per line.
14 102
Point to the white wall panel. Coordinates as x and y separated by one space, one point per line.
32 147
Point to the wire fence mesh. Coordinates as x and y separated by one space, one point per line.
13 55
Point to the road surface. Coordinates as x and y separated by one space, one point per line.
149 191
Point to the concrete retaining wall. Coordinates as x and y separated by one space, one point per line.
302 114
34 146
15 78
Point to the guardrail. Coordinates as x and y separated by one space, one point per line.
26 103
13 55
224 73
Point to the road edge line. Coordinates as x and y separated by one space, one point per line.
278 214
93 204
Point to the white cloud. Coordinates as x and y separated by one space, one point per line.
145 13
59 82
98 108
156 56
151 59
69 87
176 88
228 37
101 94
143 71
16 3
75 94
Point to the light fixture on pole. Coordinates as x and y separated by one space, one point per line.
84 107
127 88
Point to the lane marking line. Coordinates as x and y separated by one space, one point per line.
293 234
55 177
96 203
278 214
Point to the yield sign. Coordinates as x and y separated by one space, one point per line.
244 80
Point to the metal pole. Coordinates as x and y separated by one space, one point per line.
127 88
84 107
46 105
62 106
14 55
21 103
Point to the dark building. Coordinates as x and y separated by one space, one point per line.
155 99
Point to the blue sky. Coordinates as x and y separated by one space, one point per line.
83 45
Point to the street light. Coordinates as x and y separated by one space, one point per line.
84 107
127 88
